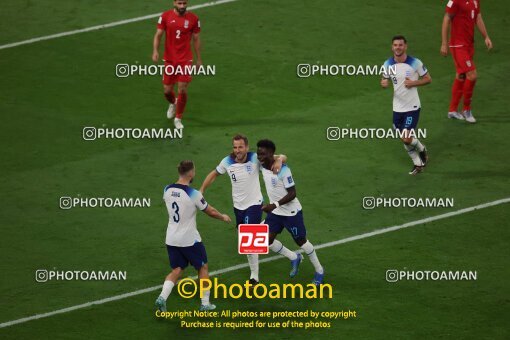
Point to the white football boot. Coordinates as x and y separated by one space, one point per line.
455 115
469 116
178 124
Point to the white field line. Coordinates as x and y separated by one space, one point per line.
268 259
111 24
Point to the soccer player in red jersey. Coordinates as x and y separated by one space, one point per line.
463 15
180 28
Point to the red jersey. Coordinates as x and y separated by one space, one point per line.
178 32
463 14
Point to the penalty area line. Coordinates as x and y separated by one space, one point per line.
111 24
269 259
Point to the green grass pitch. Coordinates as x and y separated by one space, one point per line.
51 89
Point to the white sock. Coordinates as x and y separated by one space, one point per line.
411 150
253 261
167 289
417 144
205 299
279 248
312 255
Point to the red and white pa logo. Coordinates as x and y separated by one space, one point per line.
253 238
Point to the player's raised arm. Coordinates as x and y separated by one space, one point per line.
483 30
155 44
208 180
291 194
447 19
211 211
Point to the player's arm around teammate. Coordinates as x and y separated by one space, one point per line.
211 177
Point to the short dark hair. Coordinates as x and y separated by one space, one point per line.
399 37
185 166
240 137
267 144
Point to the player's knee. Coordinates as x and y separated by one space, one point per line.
182 90
471 75
168 91
176 272
407 141
271 238
300 241
461 76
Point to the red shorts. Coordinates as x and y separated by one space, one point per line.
463 58
176 72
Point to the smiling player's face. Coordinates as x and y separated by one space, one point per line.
399 47
180 6
240 149
264 156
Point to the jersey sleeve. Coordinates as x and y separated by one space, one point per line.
286 176
196 27
199 200
255 161
165 189
452 7
162 22
222 167
420 68
386 68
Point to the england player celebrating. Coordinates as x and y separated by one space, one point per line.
285 211
410 73
463 16
180 28
243 169
183 242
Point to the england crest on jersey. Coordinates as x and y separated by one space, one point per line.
273 181
249 168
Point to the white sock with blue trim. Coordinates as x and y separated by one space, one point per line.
312 255
205 297
417 144
279 248
253 261
167 289
412 152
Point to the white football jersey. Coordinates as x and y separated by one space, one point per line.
404 99
276 186
245 180
182 203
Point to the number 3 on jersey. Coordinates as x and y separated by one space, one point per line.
176 217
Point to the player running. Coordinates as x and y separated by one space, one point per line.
183 242
285 211
463 15
410 73
180 28
243 169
